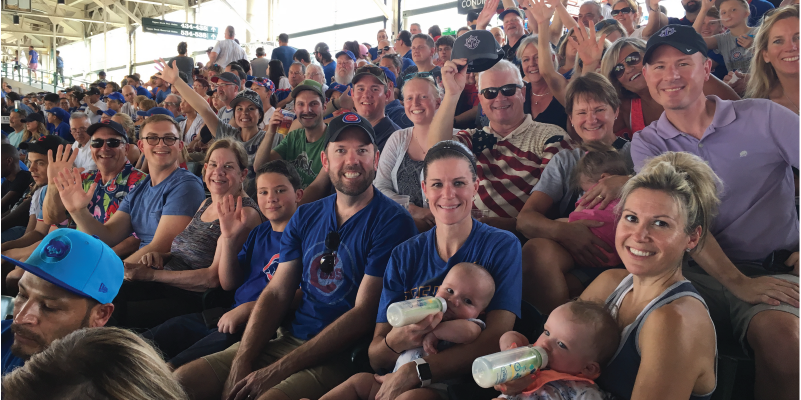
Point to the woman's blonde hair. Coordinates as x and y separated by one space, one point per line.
631 3
94 363
128 124
535 41
688 180
763 75
610 60
428 80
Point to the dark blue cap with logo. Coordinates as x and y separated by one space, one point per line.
683 38
347 120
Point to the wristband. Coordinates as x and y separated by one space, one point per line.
386 343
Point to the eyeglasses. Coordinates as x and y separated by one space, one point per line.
171 103
506 90
631 59
624 10
419 75
112 143
328 260
154 140
380 50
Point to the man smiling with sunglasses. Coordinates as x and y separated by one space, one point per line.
157 209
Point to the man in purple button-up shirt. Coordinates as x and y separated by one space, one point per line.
751 145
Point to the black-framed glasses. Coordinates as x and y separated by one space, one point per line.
112 143
418 75
506 90
328 260
154 140
631 59
624 10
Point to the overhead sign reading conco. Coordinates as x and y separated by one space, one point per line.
180 29
465 6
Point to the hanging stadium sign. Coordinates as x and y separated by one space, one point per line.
179 29
465 6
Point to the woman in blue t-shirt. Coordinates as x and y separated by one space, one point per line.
418 266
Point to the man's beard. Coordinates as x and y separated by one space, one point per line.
312 123
358 187
42 343
692 7
344 80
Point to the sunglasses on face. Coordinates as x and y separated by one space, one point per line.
631 59
380 50
624 10
328 260
112 143
154 140
506 90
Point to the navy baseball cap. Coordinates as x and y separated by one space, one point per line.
336 87
102 84
43 144
60 113
511 10
34 117
347 120
346 52
115 126
390 75
116 96
154 111
683 38
78 263
479 48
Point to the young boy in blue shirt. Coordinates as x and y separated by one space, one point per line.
250 267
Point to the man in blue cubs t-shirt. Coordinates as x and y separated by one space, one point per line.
336 249
188 337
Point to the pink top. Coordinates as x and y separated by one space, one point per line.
606 232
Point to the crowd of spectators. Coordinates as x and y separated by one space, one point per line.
253 219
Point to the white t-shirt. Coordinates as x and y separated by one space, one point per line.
95 118
267 115
227 51
637 34
84 159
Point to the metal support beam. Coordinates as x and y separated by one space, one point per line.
384 10
156 3
126 11
430 9
32 14
42 33
337 26
243 19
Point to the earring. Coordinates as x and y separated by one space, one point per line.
687 250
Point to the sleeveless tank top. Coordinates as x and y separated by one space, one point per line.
195 246
619 375
636 118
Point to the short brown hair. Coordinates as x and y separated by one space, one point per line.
239 151
593 86
147 104
160 118
606 334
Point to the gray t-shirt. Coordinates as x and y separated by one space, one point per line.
555 178
259 67
251 146
186 65
735 56
225 115
227 51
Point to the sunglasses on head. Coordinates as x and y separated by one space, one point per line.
328 260
624 10
113 143
506 90
631 59
418 75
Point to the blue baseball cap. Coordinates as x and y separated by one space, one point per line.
390 75
348 53
116 96
336 87
154 111
78 263
109 112
60 113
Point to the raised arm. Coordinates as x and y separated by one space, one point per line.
590 48
556 82
170 74
486 14
698 25
656 19
563 15
53 210
453 79
265 152
235 225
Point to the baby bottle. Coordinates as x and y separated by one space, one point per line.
497 368
413 311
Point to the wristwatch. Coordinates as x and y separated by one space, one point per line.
423 372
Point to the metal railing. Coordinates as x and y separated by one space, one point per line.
42 78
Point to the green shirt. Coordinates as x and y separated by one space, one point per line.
303 155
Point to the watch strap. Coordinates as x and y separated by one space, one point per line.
423 372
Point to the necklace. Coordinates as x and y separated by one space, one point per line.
540 95
791 102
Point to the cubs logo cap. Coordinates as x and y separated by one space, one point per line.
683 38
480 49
347 120
78 263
